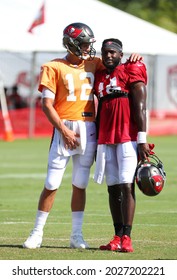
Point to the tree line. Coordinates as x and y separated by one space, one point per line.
162 13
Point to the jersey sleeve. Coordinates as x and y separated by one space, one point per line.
99 65
48 77
137 72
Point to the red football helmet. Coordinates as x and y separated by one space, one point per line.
150 176
76 34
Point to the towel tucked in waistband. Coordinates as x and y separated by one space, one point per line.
78 127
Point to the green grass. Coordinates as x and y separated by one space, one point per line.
22 172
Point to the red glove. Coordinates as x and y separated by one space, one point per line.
151 147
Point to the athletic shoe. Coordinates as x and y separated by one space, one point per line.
77 241
33 241
113 245
126 244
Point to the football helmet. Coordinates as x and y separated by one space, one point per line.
76 34
150 176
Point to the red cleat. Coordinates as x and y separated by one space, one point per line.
126 244
113 245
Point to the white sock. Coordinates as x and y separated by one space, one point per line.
77 220
41 218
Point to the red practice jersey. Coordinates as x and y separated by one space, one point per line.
116 117
72 86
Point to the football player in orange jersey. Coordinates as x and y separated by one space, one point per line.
67 101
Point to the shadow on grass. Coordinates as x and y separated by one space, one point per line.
47 247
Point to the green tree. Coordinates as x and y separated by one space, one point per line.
159 12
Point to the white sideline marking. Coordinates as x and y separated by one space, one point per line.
96 223
27 175
32 175
19 165
22 176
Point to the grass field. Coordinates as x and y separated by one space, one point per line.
22 173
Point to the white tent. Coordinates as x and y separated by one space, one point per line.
21 51
137 35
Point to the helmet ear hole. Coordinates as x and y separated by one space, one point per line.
150 176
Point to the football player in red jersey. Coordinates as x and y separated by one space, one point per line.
121 91
67 99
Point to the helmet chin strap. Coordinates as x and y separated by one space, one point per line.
79 56
84 56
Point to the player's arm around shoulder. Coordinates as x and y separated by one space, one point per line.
136 71
134 65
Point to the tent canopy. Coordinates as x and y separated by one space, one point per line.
137 35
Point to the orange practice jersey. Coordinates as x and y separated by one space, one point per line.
72 86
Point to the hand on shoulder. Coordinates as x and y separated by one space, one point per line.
134 57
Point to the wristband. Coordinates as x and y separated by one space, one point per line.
141 137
